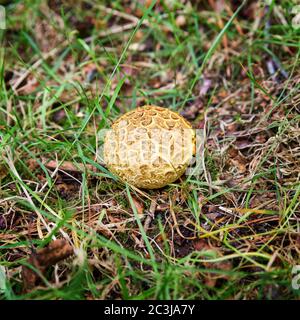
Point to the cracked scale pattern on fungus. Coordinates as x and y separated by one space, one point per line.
149 147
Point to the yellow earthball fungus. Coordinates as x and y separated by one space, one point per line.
149 147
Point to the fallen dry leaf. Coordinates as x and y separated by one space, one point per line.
42 259
139 206
226 265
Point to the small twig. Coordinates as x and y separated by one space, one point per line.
113 30
149 218
67 166
122 14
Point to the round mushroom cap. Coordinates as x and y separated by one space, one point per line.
149 147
